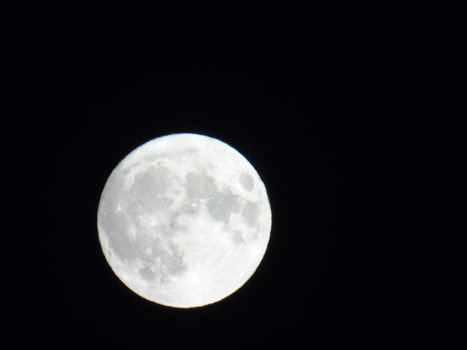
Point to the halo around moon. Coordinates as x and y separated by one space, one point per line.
184 220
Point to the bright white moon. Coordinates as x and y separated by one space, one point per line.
184 220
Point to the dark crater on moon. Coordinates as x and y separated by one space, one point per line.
167 262
246 181
200 185
149 188
220 204
250 213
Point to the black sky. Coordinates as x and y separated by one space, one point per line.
290 109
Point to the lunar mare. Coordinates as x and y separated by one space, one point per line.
184 220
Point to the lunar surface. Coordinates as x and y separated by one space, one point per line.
184 220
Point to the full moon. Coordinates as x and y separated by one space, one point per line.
184 220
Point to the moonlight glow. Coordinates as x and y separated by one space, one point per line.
184 220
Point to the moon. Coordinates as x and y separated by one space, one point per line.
184 220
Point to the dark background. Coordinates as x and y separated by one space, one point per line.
292 108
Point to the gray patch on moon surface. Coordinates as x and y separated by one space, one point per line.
174 225
146 273
149 188
199 185
190 208
237 237
221 205
246 181
169 261
174 263
117 225
250 213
